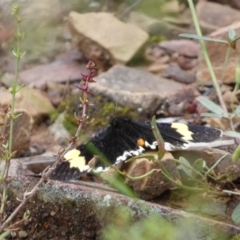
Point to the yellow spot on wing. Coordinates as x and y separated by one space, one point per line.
75 160
183 130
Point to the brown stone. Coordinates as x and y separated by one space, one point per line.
74 211
104 39
211 156
134 88
176 73
213 15
217 54
21 132
155 184
33 101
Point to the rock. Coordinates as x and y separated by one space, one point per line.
32 101
75 211
182 52
50 12
134 88
235 4
219 123
22 234
16 168
104 39
232 3
62 70
5 35
155 26
33 164
55 92
7 79
172 7
174 72
21 132
183 47
157 67
154 185
217 53
183 102
59 131
230 97
211 156
213 15
29 165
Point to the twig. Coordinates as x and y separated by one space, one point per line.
86 79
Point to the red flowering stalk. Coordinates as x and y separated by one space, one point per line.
86 79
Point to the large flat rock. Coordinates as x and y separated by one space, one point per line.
31 100
214 15
70 211
134 88
99 33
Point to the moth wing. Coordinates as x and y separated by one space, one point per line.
115 145
178 133
73 167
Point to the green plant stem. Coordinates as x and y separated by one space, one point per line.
158 137
168 176
10 142
206 57
180 185
218 161
5 234
187 166
84 113
233 95
225 62
139 177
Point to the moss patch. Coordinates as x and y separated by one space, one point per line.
102 111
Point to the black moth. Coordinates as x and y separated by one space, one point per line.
125 138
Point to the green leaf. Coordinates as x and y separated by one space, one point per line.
14 53
232 134
19 87
236 38
236 215
26 215
231 34
119 185
199 165
5 234
213 107
159 138
236 112
236 154
186 166
16 116
22 54
196 37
